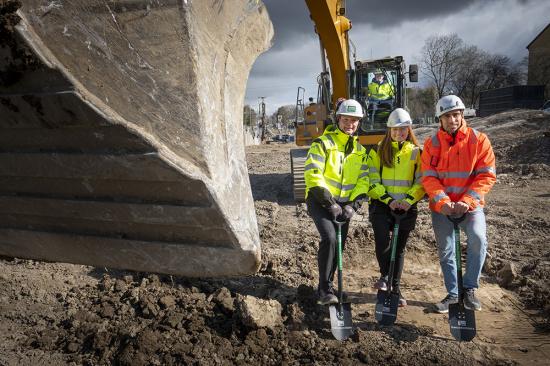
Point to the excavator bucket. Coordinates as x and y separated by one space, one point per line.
121 141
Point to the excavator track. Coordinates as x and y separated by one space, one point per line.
121 133
297 164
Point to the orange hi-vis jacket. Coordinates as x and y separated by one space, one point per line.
459 168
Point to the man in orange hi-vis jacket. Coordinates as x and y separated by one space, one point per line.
458 170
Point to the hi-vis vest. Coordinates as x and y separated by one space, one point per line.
329 167
459 168
380 91
400 182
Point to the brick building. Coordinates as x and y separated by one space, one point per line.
539 60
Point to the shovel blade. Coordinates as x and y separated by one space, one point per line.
385 311
462 322
340 321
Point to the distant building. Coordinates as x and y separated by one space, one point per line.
539 61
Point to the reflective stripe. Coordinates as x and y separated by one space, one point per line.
417 175
348 187
364 167
487 169
454 174
334 183
311 166
439 197
374 181
364 174
396 182
398 196
435 140
330 139
317 157
342 198
338 185
429 173
474 194
454 189
414 153
473 138
373 170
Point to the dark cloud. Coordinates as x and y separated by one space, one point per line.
292 23
384 14
382 28
290 20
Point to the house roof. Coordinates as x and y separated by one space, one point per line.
538 35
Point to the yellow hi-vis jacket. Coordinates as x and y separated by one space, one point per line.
400 182
380 91
330 167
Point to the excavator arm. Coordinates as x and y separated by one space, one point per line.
332 27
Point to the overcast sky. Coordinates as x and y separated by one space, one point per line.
387 28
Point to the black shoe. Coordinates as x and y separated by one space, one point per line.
442 307
381 284
470 300
326 297
335 292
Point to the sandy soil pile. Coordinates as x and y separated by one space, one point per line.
54 313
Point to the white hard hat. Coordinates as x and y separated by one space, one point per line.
350 108
448 103
399 118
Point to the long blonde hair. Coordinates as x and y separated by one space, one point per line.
385 151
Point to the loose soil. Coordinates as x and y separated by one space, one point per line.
53 313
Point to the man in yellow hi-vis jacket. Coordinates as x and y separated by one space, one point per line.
379 88
333 189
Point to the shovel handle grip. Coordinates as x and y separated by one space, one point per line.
338 223
398 214
456 219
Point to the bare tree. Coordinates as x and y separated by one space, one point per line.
497 72
479 70
440 61
470 75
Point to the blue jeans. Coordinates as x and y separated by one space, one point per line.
475 229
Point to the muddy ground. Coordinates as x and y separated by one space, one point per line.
52 313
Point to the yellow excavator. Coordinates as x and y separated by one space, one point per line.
332 26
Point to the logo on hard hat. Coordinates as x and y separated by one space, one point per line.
350 108
441 109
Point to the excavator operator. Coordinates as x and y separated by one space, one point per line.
379 87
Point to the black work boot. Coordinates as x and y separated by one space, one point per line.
442 307
381 284
326 297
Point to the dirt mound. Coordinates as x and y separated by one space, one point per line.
133 319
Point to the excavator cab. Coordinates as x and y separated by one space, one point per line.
380 86
378 106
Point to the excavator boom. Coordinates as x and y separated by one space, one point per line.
332 27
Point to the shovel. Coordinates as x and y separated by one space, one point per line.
387 302
340 314
462 321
